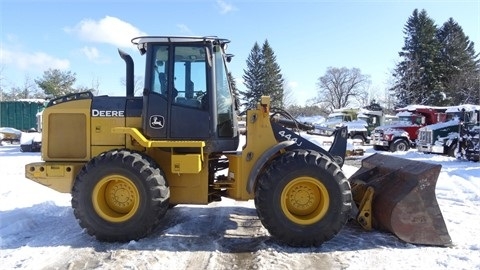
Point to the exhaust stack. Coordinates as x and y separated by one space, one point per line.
129 72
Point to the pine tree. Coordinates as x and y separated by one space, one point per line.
262 77
273 78
235 91
57 83
417 77
460 65
253 78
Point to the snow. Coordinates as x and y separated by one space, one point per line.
439 125
38 231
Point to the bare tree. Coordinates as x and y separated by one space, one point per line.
137 84
28 90
95 85
339 85
288 98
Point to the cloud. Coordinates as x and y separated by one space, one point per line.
110 30
32 61
292 84
93 54
225 7
184 29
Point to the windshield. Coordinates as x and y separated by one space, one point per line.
335 118
405 119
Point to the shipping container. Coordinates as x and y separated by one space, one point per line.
21 114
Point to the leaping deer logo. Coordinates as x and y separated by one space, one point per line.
157 121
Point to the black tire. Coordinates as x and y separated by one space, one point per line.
452 150
139 196
399 145
359 137
26 148
303 199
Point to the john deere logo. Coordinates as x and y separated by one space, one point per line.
157 121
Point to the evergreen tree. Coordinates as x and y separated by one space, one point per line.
262 77
235 91
57 83
253 78
417 77
460 65
273 84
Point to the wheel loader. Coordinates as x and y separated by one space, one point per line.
127 160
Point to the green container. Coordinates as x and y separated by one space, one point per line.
21 115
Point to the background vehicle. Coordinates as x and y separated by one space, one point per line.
31 141
443 138
126 160
11 135
360 122
401 135
469 139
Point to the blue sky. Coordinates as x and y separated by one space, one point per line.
307 36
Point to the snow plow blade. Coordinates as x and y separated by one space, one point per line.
398 195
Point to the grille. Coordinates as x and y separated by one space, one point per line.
425 136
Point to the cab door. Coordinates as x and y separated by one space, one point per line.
189 118
175 99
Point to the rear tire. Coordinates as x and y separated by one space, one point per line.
303 199
120 196
399 145
452 150
359 137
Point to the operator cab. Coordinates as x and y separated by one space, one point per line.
187 95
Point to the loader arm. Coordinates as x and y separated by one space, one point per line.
336 152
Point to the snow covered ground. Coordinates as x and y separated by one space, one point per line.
38 231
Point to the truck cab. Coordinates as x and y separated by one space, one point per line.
443 138
400 135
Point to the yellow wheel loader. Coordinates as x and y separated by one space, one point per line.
126 160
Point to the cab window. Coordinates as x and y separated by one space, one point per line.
190 77
159 72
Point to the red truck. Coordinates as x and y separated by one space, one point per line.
400 135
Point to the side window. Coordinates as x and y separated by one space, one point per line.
159 72
190 76
224 99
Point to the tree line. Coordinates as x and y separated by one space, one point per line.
438 67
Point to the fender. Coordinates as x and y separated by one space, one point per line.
252 177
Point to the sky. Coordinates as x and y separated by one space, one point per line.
307 36
38 230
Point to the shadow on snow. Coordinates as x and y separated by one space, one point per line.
224 229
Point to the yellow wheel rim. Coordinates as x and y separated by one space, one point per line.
305 200
115 198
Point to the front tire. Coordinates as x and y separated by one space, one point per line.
399 145
303 199
120 196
